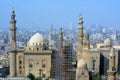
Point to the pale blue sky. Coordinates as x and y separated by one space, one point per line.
41 13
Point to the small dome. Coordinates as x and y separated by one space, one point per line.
36 39
82 64
107 42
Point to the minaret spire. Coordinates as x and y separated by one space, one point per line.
12 37
80 37
61 34
60 56
12 31
80 22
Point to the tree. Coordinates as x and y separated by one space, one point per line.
118 73
38 78
96 76
47 78
31 76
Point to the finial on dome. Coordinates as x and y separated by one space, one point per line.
80 14
13 10
61 34
61 30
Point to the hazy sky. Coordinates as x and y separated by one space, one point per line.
31 14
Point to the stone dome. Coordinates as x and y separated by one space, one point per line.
36 39
82 64
107 42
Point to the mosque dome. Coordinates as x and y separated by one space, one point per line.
82 64
107 42
36 39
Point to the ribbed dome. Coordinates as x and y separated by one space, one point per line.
36 39
82 64
107 42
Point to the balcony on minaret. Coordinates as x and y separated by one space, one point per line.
13 17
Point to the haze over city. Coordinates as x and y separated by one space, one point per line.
39 14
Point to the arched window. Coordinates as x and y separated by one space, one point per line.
20 67
29 48
20 62
30 65
43 63
94 62
20 71
37 49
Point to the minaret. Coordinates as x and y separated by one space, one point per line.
59 59
86 45
60 38
80 37
12 53
111 71
12 32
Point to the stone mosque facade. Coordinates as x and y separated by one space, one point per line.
99 60
36 57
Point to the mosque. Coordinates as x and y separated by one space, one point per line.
37 58
34 58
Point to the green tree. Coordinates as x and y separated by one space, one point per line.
31 76
38 78
118 73
47 78
96 76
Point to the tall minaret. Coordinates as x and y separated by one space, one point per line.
80 38
111 71
12 32
59 59
60 38
12 53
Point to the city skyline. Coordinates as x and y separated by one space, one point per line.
41 14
